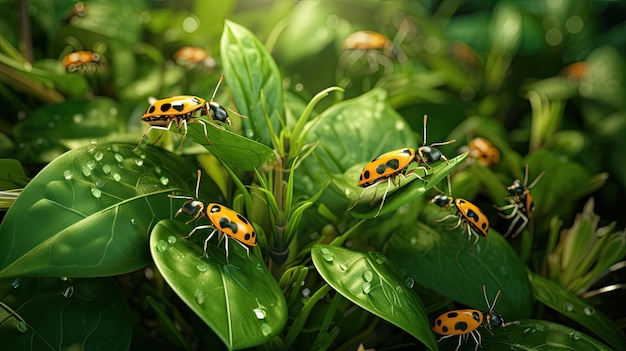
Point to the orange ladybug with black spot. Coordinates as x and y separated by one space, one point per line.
469 216
392 165
465 323
180 110
224 221
483 151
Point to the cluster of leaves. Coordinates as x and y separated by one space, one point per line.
321 275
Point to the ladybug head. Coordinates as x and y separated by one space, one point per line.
193 208
516 188
442 200
493 320
429 153
218 112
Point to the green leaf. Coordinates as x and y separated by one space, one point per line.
371 281
12 175
240 301
90 211
398 196
233 149
531 334
558 298
255 81
444 261
56 314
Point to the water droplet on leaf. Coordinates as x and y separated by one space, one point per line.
139 162
575 335
86 171
106 169
164 180
202 266
366 287
266 329
590 311
410 282
68 292
21 327
368 275
568 307
161 246
259 313
67 174
119 158
343 267
98 155
16 283
96 193
117 177
171 239
199 296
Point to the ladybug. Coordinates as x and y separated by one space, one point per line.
466 322
192 55
81 61
483 150
469 216
521 204
393 164
180 110
226 222
369 43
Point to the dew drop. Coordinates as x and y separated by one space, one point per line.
99 183
568 307
91 164
529 330
16 283
399 289
98 155
86 171
259 266
575 335
68 292
161 246
97 193
590 311
164 180
410 282
139 162
133 221
368 275
21 327
77 118
202 266
366 287
157 170
199 296
117 177
259 313
118 157
266 329
63 279
325 251
413 240
106 169
171 239
306 292
67 174
328 258
343 267
399 125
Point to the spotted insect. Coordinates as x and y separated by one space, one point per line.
180 110
466 322
521 204
192 55
81 61
376 46
224 221
483 151
469 216
392 166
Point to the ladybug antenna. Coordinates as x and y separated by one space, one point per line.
424 134
491 306
198 183
217 87
215 92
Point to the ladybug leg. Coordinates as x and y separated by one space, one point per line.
413 172
520 216
245 247
163 129
382 202
206 241
503 209
184 123
226 247
205 131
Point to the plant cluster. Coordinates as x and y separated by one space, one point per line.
321 171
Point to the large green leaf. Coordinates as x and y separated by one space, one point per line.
90 211
255 80
408 189
64 314
444 261
241 301
558 298
235 150
371 281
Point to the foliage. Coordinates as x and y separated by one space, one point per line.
95 254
